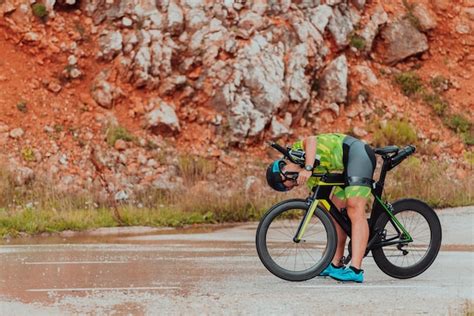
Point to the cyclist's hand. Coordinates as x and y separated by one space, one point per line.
304 176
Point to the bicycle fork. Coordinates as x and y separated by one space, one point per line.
304 223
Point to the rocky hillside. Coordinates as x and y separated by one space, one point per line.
131 85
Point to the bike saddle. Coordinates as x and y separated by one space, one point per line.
386 150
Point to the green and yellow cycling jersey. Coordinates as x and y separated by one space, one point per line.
329 152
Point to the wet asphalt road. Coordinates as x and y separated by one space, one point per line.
212 271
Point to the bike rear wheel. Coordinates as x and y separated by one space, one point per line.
408 259
284 257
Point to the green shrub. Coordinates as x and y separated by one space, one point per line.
468 137
27 154
357 42
439 83
436 102
115 133
395 132
39 10
409 82
458 123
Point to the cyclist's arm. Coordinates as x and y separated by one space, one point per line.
309 144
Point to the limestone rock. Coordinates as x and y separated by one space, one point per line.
249 22
368 78
6 7
278 129
333 82
31 37
104 93
372 28
17 133
21 175
320 16
175 18
296 81
244 119
402 40
110 43
469 13
196 18
426 18
263 74
359 4
54 86
162 119
340 26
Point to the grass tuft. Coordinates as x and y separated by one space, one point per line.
410 83
27 154
395 132
439 83
436 102
195 168
426 180
357 42
39 10
458 123
115 133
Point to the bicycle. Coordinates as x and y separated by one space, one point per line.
397 230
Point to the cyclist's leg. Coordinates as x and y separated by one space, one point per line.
338 199
359 228
360 166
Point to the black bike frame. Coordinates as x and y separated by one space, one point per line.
322 192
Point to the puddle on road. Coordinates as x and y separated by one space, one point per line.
105 235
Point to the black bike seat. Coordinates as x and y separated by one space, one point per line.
386 150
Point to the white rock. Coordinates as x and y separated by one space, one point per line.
31 37
426 18
17 133
296 81
72 60
121 196
320 17
162 119
175 18
367 75
340 26
278 129
372 28
104 93
333 83
127 22
110 44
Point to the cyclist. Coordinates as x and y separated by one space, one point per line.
335 152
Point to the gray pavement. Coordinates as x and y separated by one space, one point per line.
217 271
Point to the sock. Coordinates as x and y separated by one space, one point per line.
336 267
356 270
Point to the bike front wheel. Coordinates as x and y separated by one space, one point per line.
404 259
290 260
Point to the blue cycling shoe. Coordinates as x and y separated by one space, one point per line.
347 275
330 269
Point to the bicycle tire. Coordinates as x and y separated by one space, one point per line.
381 256
271 217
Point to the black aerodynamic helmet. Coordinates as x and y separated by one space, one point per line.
274 173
